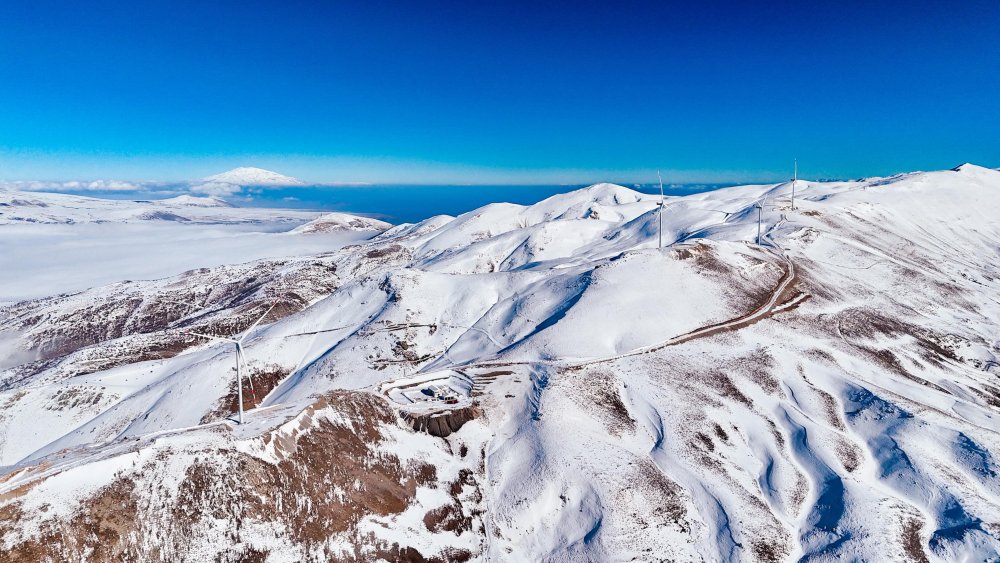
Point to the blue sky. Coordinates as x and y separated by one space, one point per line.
479 92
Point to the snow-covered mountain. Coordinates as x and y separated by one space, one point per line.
233 181
526 383
18 207
251 176
333 222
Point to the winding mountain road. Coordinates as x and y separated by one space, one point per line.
783 297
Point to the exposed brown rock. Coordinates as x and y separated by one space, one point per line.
442 423
331 474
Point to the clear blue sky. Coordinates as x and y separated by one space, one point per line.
499 91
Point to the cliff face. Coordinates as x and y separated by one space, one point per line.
443 423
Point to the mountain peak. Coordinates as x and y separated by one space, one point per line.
194 201
968 167
251 176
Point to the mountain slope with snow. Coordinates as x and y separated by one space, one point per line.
537 383
53 243
333 222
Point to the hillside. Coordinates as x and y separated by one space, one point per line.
334 222
527 383
54 243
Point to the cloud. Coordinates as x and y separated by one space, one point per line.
215 189
13 351
76 186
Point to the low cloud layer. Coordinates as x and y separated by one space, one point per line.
235 182
76 186
216 189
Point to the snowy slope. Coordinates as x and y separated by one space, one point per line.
333 222
541 382
54 243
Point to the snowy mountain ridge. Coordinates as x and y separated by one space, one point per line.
537 383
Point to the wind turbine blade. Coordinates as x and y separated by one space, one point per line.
795 177
659 214
239 383
254 325
209 336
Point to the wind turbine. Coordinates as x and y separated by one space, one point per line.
760 208
795 176
240 358
659 213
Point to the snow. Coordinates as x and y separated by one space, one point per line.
331 222
233 181
430 391
52 259
56 243
194 201
251 176
828 394
31 208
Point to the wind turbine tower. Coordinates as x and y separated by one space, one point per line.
760 208
240 357
795 176
659 213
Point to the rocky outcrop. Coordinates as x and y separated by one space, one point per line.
442 423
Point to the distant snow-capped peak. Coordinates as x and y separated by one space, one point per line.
250 176
195 201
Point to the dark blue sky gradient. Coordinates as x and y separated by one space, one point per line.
486 92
